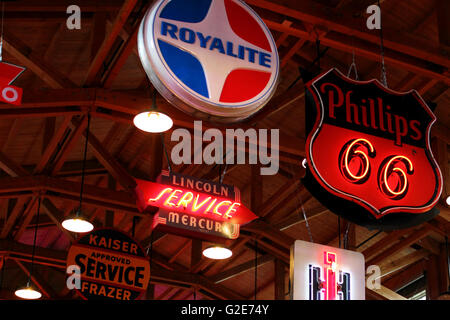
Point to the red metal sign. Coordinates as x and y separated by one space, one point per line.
8 93
370 146
193 206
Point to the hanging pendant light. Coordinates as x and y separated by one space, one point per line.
29 292
217 252
76 222
153 120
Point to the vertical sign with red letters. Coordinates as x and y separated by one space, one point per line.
319 272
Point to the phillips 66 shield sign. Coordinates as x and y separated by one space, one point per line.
368 152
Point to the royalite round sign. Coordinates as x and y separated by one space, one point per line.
214 59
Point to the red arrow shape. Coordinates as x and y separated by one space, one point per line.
149 190
9 72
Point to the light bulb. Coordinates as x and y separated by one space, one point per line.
448 200
217 253
77 224
304 163
153 121
28 293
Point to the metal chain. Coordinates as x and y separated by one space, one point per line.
383 67
353 65
165 152
34 241
1 39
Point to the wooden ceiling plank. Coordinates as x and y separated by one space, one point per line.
403 262
443 22
387 293
56 216
116 170
51 145
283 36
367 50
69 145
345 23
27 215
166 293
241 268
10 222
28 58
404 243
107 44
11 167
384 243
292 51
180 250
128 48
281 194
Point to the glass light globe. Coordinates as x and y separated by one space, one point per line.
28 293
217 253
448 200
77 224
153 121
304 163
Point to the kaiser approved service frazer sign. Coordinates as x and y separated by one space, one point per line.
112 266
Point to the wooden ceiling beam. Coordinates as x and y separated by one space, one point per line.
69 145
52 145
109 41
404 243
384 243
241 268
11 167
390 267
28 58
443 22
119 173
56 216
406 276
346 43
127 49
344 23
13 216
107 198
27 215
386 293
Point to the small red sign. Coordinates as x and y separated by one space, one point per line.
8 93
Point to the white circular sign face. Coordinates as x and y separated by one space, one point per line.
214 59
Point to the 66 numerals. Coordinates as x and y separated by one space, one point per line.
355 167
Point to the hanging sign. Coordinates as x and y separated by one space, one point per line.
8 93
368 152
112 266
319 272
193 207
214 59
